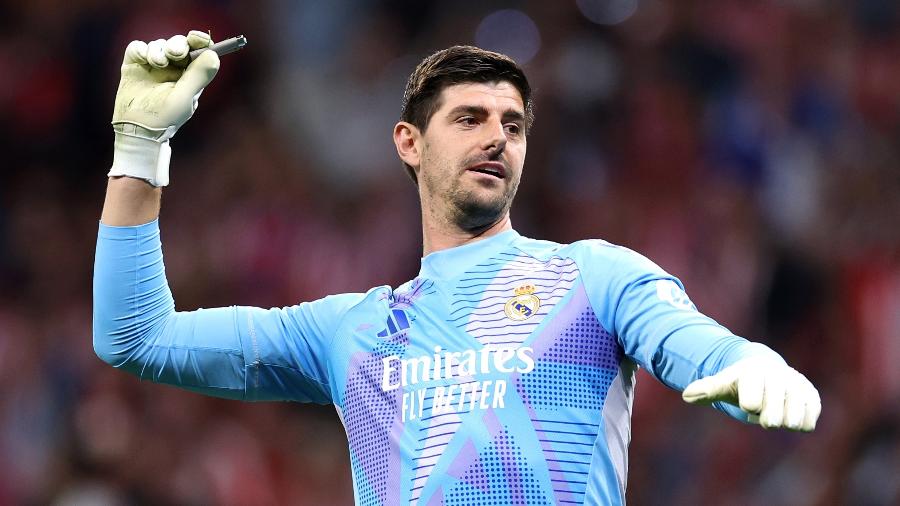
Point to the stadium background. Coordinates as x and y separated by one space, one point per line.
751 148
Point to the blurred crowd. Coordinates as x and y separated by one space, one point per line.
750 148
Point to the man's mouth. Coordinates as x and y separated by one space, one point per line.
495 169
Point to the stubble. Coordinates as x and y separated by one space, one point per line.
459 203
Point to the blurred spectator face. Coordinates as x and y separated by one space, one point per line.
469 158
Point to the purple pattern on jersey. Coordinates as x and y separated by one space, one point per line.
440 430
465 467
567 485
575 336
372 416
510 465
373 429
576 361
499 475
493 425
437 499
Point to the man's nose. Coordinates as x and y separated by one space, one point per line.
495 136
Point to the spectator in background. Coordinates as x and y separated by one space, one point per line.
819 217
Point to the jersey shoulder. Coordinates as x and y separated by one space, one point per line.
345 303
591 255
327 315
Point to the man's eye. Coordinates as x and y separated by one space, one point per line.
468 121
513 128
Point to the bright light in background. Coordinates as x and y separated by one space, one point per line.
510 32
607 12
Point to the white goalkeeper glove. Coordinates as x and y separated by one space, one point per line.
157 95
774 394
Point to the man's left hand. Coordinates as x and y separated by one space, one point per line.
774 394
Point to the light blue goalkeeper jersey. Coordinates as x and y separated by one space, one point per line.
503 374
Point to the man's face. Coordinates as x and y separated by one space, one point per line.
472 153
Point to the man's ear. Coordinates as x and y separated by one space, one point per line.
408 141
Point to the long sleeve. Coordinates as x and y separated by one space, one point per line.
233 352
660 328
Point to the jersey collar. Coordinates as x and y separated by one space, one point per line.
450 263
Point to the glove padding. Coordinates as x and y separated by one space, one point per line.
774 394
157 95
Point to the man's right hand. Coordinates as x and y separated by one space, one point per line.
157 94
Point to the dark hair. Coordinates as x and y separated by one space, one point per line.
456 65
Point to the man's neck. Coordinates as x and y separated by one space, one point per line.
437 237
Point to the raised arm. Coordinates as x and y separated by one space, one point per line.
234 352
157 94
129 202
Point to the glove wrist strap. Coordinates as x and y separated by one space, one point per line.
141 153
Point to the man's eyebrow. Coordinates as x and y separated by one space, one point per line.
513 115
477 110
474 110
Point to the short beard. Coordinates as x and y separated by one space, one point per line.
474 215
465 210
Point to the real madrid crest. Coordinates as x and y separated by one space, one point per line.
524 305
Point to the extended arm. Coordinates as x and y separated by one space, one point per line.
662 330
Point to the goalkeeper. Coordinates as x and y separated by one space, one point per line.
503 373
